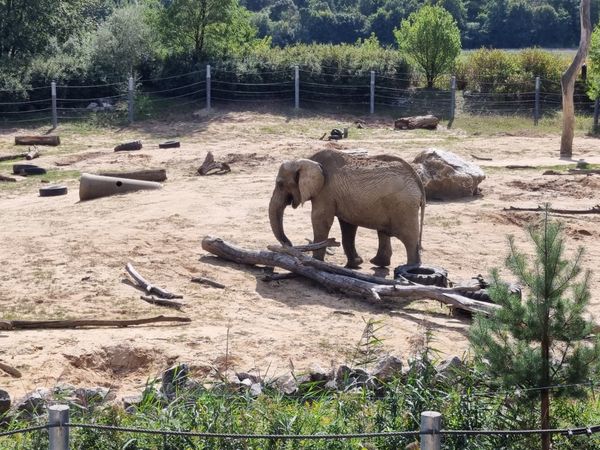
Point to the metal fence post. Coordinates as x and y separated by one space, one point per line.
536 109
452 100
54 113
431 422
208 77
372 103
58 433
130 104
296 87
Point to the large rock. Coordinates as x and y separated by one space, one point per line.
4 402
446 176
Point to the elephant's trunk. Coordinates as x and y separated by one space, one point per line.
279 201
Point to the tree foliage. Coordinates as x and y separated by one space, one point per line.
545 339
430 37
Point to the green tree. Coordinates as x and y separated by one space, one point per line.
593 65
124 41
540 341
431 39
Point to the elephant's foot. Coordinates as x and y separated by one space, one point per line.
354 263
380 261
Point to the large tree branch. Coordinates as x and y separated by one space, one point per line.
344 280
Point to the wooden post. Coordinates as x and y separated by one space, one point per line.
431 424
208 87
296 87
58 433
452 100
372 102
130 104
54 110
596 113
536 108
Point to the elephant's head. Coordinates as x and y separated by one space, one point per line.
297 181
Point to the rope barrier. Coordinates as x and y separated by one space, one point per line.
24 430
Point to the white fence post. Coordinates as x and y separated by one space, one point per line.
58 433
208 77
130 104
54 112
536 109
431 424
372 99
452 99
296 87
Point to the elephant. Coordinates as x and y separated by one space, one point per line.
384 194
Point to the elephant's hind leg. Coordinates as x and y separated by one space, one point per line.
348 242
384 252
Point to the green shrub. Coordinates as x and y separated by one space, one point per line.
491 71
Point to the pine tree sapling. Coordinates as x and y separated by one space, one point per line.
542 341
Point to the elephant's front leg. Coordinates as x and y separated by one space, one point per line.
322 219
348 242
384 252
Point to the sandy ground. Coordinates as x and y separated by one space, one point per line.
61 258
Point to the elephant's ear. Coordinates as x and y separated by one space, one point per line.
310 179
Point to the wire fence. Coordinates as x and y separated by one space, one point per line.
431 434
298 88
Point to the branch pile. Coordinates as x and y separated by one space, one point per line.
347 281
211 167
156 295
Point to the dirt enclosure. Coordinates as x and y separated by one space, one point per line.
62 258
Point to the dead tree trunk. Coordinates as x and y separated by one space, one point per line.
37 140
348 284
567 82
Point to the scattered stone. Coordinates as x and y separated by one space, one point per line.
246 375
286 384
255 389
388 368
131 402
4 402
91 396
446 176
34 403
318 374
174 379
247 382
448 368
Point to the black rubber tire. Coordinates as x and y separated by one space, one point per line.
53 191
422 274
127 146
169 144
28 169
482 295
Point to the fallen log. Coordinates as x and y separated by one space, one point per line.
37 140
149 288
584 171
78 323
593 210
13 156
129 146
428 122
210 167
202 280
518 166
331 242
481 158
348 283
32 154
5 178
279 277
10 370
158 175
162 301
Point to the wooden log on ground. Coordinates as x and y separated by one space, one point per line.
78 323
10 370
481 158
331 242
13 156
149 288
162 301
5 178
518 166
584 171
208 282
37 140
32 154
347 284
593 210
158 175
428 122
